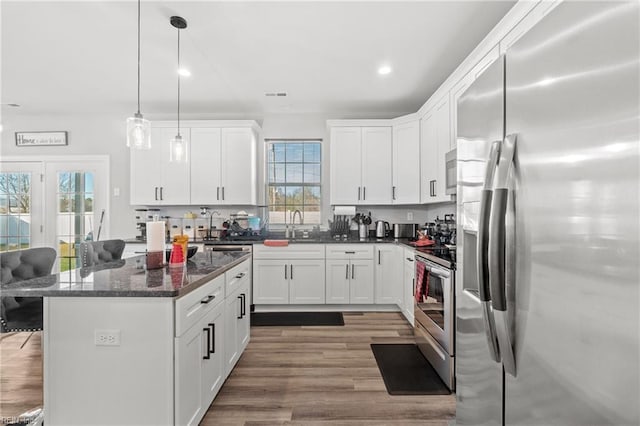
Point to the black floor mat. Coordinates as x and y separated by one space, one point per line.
296 318
405 370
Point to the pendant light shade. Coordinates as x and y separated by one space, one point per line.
178 146
138 129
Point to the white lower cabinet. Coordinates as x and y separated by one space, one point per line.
198 367
211 332
293 274
409 284
388 274
236 336
349 276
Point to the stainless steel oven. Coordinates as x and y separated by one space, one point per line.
434 310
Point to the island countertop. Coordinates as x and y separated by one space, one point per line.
128 278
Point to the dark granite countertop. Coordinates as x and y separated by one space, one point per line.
128 278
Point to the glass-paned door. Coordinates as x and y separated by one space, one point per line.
76 198
21 205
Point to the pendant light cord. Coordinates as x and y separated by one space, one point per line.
138 57
178 81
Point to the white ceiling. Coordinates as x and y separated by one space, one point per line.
62 58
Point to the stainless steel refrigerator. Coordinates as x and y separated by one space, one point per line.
547 292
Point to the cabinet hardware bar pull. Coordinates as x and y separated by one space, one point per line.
378 257
347 272
349 252
213 338
358 193
217 192
240 297
353 271
364 192
240 275
223 193
208 299
156 193
285 272
208 343
243 307
409 259
291 271
161 198
393 193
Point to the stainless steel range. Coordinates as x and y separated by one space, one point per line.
434 310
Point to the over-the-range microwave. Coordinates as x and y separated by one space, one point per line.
451 171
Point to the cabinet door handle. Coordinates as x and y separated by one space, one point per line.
240 275
213 338
285 272
208 299
223 193
353 271
156 193
347 272
240 297
358 193
208 331
378 257
291 272
243 306
349 252
364 192
409 259
217 192
161 188
393 193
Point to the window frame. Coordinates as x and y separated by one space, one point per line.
267 184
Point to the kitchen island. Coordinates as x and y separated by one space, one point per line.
122 345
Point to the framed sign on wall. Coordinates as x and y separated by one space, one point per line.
41 138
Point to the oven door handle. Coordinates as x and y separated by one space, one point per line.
497 254
482 250
440 273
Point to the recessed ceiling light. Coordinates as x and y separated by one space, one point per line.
184 72
384 70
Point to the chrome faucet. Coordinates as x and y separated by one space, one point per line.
293 222
204 211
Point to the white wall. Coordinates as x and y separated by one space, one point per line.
103 133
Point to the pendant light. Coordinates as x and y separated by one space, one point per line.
178 146
138 129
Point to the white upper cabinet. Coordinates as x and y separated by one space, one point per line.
206 146
435 142
360 165
406 163
238 166
221 167
376 165
154 180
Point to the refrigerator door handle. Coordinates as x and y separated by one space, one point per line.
484 290
497 246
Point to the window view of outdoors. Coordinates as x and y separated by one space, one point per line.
15 211
293 169
75 215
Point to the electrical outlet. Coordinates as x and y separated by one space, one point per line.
409 215
107 337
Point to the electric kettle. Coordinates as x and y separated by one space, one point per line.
382 229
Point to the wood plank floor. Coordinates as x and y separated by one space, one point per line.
322 376
287 376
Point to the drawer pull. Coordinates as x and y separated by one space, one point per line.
208 331
208 299
243 307
349 252
240 275
213 338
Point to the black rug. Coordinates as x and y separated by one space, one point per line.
405 370
260 319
